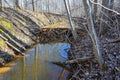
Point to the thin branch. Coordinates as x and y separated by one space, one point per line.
104 7
61 64
115 41
78 60
92 32
74 61
67 7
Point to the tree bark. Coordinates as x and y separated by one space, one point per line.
16 4
70 19
92 32
48 6
25 4
108 4
33 5
1 5
95 11
111 4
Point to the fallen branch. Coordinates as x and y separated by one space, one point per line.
92 32
67 7
115 41
8 43
104 7
19 45
78 60
61 74
61 64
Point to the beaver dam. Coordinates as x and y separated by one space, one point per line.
47 46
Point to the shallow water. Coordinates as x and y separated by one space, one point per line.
36 65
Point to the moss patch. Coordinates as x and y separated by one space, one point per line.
5 23
1 42
1 30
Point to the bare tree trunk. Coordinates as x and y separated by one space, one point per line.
25 4
102 17
1 6
0 3
16 4
106 4
92 32
36 6
109 4
47 5
33 5
95 11
70 19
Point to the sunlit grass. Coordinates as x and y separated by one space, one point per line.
1 42
56 25
5 23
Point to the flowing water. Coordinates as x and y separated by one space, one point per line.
36 65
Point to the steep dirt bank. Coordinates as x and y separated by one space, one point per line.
16 34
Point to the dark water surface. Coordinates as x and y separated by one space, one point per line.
36 64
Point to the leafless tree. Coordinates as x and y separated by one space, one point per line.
92 32
17 4
1 5
70 19
48 9
25 4
95 10
108 4
33 5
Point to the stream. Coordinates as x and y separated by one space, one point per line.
36 65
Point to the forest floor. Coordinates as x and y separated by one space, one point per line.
90 70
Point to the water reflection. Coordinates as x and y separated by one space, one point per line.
36 65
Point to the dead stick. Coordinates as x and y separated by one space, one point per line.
63 66
78 60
